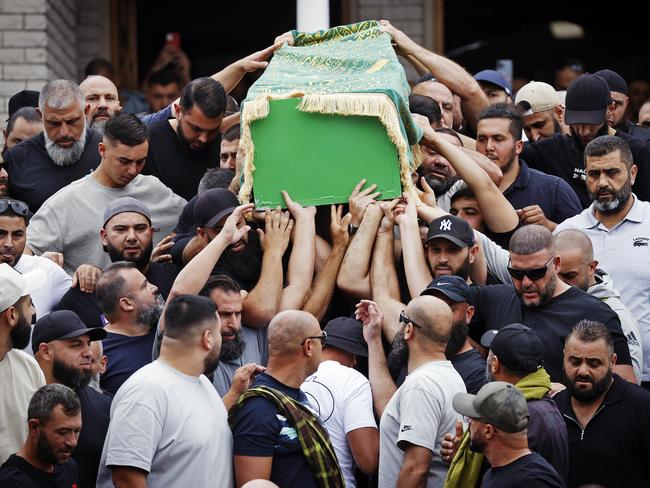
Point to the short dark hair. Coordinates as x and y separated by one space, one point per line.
427 106
162 77
30 114
530 239
126 129
48 397
10 212
233 133
216 178
463 193
603 145
504 111
110 286
220 282
592 331
96 65
185 313
205 93
449 132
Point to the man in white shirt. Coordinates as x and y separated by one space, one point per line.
20 375
342 397
420 412
618 225
69 220
14 216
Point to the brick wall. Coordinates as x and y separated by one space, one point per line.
37 43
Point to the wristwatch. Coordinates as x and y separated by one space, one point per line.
352 229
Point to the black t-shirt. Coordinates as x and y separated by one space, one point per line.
87 307
177 167
530 471
258 430
499 305
562 155
471 367
16 472
33 176
126 355
638 131
613 448
95 416
186 223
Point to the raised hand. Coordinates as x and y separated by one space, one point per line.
86 277
230 232
339 226
359 201
159 253
277 230
450 443
371 316
298 211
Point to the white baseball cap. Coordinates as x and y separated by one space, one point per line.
14 285
537 97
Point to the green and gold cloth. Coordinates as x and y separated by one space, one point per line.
346 71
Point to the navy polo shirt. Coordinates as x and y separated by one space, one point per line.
556 198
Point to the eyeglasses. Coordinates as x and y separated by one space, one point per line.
322 337
405 320
533 274
17 206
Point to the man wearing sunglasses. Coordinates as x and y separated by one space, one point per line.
14 216
419 413
539 299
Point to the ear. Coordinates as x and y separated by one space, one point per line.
207 339
495 365
593 265
178 110
103 363
472 253
469 313
519 146
202 234
556 262
614 359
489 431
126 304
87 110
101 147
559 113
308 348
12 315
33 425
45 352
633 171
103 235
40 113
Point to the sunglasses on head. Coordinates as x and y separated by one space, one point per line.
533 274
17 206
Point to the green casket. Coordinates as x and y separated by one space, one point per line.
328 111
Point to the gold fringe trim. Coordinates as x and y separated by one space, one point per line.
363 104
373 105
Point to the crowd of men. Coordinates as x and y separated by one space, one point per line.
490 329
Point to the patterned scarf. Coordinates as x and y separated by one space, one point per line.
313 438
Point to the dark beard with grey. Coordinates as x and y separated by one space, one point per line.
234 348
438 186
459 333
150 315
618 201
65 156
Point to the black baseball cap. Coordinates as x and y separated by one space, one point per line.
517 346
453 287
615 81
62 324
586 100
24 98
452 228
213 205
346 333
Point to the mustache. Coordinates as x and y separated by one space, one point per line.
101 112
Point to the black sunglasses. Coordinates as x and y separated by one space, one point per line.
17 206
533 274
322 337
405 320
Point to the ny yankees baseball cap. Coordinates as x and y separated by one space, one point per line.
452 228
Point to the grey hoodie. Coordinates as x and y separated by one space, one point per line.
604 289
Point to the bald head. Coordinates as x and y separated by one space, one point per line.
531 239
572 240
289 329
433 316
441 94
101 100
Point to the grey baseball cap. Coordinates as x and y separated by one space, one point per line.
125 204
498 403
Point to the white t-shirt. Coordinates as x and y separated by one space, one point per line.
57 284
420 413
343 400
173 426
20 377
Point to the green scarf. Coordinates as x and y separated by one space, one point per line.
465 468
313 438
